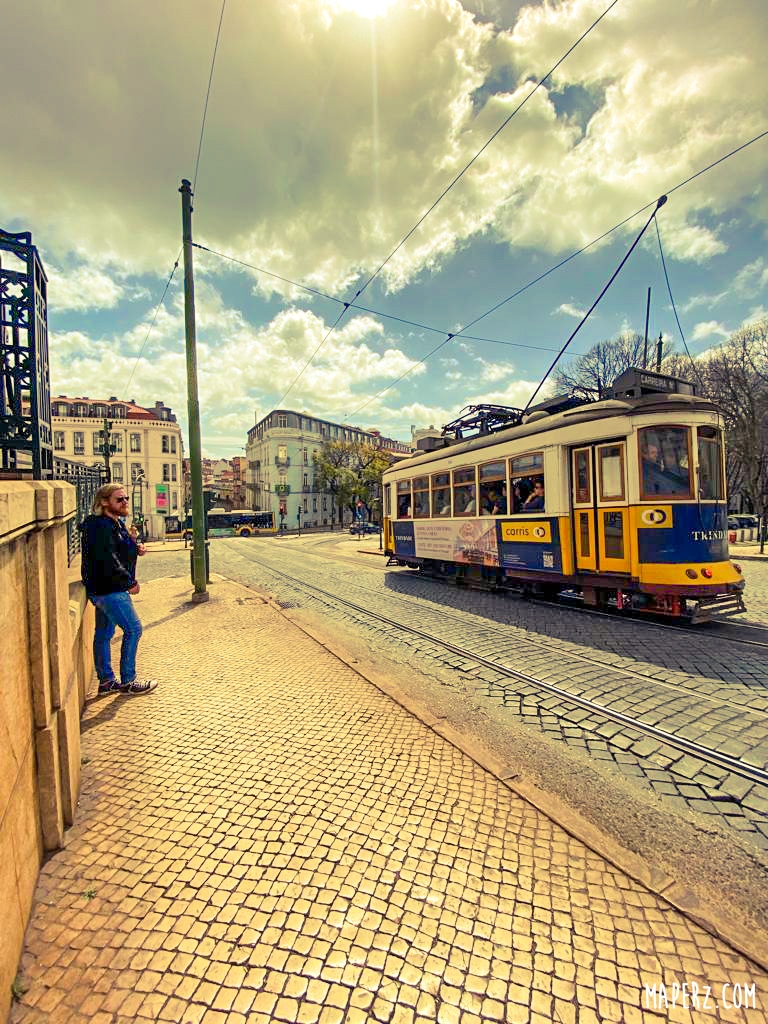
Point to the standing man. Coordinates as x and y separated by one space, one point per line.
109 554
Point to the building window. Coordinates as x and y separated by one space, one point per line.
117 471
116 440
81 410
306 456
314 504
79 439
166 444
166 471
136 471
173 445
118 412
135 442
325 504
58 440
305 504
174 499
173 471
306 480
98 448
282 421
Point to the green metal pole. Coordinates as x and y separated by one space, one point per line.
199 574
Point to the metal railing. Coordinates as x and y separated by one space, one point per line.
86 481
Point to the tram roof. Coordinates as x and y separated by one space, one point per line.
540 422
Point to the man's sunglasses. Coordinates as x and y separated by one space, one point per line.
121 499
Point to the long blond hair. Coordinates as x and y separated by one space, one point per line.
103 494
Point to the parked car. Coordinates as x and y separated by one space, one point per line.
748 522
360 528
733 523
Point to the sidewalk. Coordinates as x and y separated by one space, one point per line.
269 837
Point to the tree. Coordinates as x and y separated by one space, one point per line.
735 377
588 375
350 471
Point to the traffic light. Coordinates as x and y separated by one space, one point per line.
298 512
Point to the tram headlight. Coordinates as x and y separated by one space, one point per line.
736 567
707 574
691 574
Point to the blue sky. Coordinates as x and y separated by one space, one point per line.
332 126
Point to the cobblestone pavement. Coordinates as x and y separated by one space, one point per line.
268 837
696 685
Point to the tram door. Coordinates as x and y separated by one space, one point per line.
600 510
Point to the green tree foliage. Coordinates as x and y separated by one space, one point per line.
350 471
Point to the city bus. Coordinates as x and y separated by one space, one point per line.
240 522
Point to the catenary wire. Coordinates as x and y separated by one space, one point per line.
152 323
498 305
674 307
367 309
445 192
207 97
197 164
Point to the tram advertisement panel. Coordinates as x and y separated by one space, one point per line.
531 544
472 542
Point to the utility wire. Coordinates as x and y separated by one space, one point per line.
197 164
674 308
367 309
482 149
660 202
562 263
207 96
152 324
448 188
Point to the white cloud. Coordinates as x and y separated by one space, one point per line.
570 310
313 169
708 328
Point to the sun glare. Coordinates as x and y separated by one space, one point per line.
366 8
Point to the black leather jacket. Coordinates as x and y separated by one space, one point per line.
109 553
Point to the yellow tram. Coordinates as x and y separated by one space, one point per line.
619 501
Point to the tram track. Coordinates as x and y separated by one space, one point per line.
684 746
605 664
724 628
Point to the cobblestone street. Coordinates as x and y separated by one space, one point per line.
268 836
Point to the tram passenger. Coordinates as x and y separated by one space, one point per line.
535 500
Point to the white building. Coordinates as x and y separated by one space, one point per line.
146 450
281 469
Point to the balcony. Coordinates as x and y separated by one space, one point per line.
282 460
282 489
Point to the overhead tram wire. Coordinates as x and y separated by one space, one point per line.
448 188
367 309
674 307
197 164
207 96
573 255
659 203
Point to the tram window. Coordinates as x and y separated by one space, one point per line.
582 475
464 492
611 472
421 497
441 494
665 462
404 499
527 480
710 464
493 489
387 500
613 532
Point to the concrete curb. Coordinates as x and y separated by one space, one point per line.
748 941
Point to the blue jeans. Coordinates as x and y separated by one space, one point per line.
115 610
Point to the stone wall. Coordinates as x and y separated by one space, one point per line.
46 665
